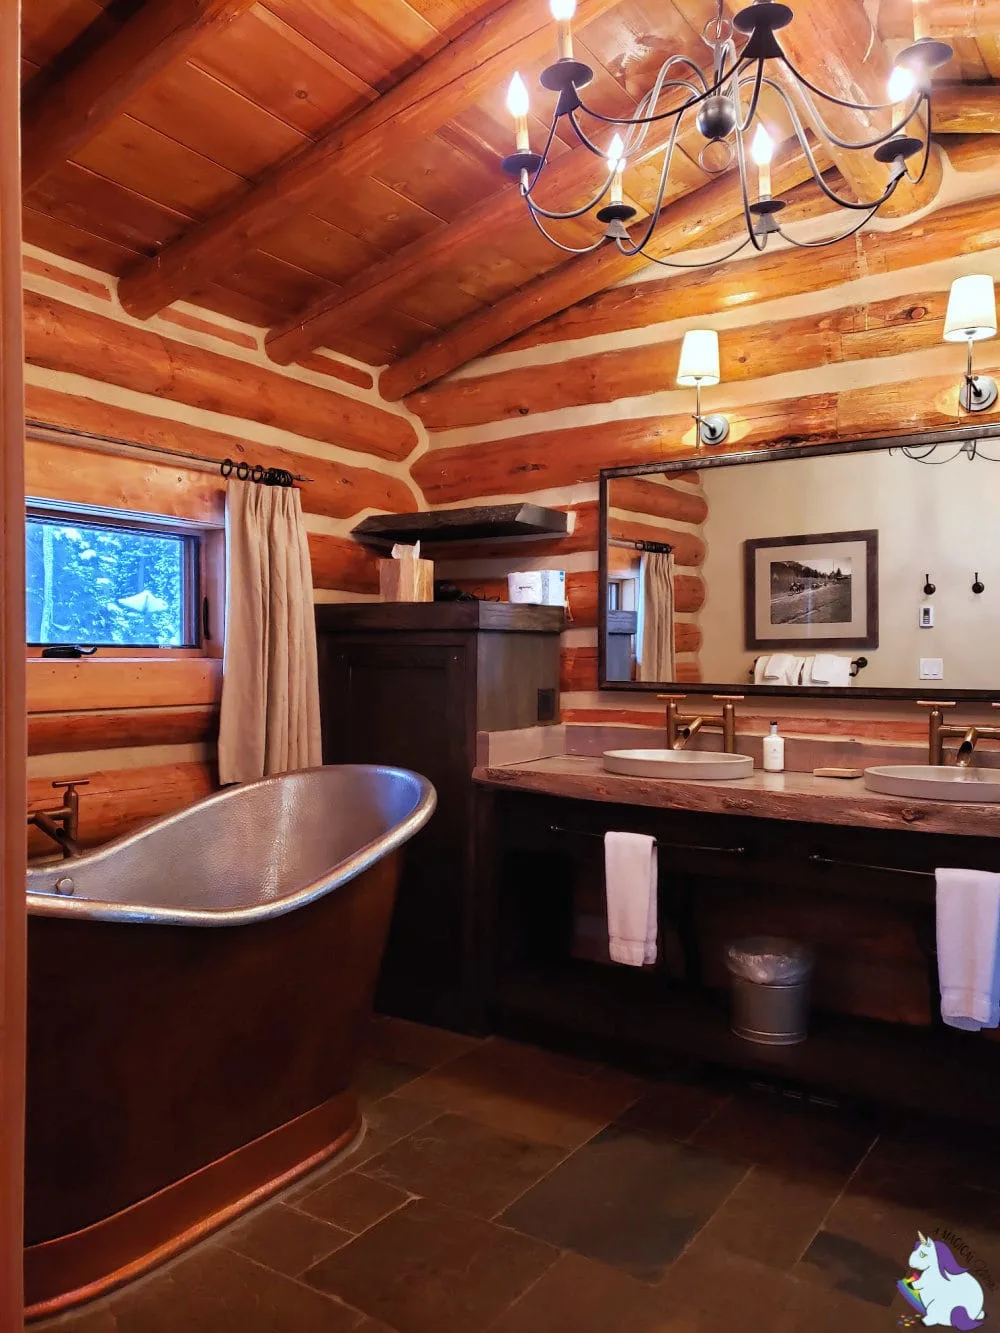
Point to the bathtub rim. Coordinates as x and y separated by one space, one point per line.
51 904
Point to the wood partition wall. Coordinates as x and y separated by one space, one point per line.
12 705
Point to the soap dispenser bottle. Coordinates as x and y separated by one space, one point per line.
774 751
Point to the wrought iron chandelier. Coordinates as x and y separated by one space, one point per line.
725 112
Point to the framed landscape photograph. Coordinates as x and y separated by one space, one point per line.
815 591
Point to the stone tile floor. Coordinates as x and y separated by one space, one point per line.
501 1188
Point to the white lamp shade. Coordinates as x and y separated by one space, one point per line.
699 358
972 309
562 10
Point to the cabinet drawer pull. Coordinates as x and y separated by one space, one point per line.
673 846
817 859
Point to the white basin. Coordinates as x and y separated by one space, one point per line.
685 765
936 782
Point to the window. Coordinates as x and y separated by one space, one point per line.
126 582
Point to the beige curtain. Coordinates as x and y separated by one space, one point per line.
270 688
656 647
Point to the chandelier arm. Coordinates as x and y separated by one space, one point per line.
701 263
814 166
829 97
660 191
637 133
830 240
568 249
925 162
846 143
587 143
755 96
664 115
554 216
936 462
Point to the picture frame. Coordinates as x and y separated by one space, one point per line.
817 590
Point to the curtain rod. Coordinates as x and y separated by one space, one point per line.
659 548
112 444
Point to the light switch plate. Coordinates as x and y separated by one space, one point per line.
931 668
925 616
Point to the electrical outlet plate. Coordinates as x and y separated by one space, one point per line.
931 668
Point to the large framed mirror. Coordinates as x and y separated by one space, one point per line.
867 568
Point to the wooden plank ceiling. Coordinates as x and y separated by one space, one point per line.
272 156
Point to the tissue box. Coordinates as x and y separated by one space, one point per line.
542 587
406 578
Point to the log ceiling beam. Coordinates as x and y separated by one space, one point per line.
956 18
682 223
451 80
966 108
58 121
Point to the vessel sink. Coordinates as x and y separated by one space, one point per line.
936 782
685 765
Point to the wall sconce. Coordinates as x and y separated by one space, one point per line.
700 365
972 315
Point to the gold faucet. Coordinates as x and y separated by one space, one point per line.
681 728
62 824
939 730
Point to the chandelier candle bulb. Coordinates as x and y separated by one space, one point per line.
562 12
616 164
762 151
902 85
518 106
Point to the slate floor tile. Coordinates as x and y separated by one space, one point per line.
386 1122
213 1290
282 1238
787 1134
770 1216
627 1199
675 1109
354 1202
586 1297
516 1091
465 1165
429 1269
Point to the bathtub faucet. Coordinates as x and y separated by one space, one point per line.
62 823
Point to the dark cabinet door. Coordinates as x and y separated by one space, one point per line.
413 705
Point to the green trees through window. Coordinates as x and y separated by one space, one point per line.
96 583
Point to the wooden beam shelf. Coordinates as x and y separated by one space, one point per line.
475 523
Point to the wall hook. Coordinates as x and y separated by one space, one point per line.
978 586
929 588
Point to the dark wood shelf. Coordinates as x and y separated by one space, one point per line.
475 523
440 617
933 1070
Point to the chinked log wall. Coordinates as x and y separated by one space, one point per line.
143 729
844 342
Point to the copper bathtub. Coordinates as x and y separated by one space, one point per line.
197 996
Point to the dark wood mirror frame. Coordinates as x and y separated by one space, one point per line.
704 459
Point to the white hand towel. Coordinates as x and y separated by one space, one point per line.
830 669
782 669
778 669
968 933
630 881
759 668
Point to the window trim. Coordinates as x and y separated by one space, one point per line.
193 593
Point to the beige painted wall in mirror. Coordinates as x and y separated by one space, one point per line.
939 521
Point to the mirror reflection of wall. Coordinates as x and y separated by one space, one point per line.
863 532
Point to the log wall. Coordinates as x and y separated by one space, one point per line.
142 729
844 342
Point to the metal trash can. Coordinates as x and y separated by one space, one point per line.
770 980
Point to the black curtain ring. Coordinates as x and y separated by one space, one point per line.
226 466
257 473
243 470
286 477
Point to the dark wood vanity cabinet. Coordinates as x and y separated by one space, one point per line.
862 897
411 684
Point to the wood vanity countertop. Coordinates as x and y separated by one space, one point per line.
794 796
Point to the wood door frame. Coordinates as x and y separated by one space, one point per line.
13 741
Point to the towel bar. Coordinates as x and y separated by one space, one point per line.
674 846
857 664
817 859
